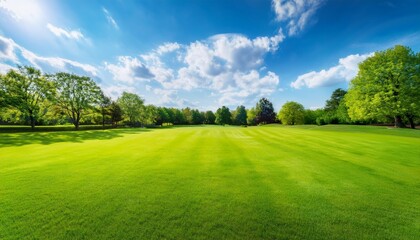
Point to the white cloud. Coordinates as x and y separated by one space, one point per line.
7 47
110 19
115 91
346 70
12 52
231 65
70 34
296 13
129 69
167 47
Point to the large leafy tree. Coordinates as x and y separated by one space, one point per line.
132 106
26 90
292 113
387 85
209 117
264 112
75 95
239 117
223 116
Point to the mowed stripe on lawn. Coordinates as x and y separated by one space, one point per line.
211 183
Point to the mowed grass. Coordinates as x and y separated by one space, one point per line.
272 182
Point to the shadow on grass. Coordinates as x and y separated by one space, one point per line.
25 138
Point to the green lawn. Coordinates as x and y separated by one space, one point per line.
272 182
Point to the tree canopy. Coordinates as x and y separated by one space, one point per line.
264 112
223 116
240 116
292 113
75 94
132 106
387 86
26 90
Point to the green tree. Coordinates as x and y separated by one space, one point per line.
187 115
312 115
240 116
179 117
209 117
292 113
132 106
336 98
162 116
335 110
26 90
264 112
251 117
75 95
104 105
223 116
196 117
387 85
115 112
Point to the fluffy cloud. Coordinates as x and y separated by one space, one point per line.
115 91
167 47
231 65
110 19
12 52
296 13
248 85
128 69
346 70
7 47
70 34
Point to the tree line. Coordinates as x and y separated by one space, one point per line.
386 89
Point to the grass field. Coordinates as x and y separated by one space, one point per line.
272 182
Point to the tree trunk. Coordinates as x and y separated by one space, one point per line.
32 119
399 122
411 120
76 125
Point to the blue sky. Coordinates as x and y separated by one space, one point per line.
207 53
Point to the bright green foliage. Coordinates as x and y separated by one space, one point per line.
387 85
26 90
223 116
209 117
292 113
240 116
75 95
264 112
132 107
311 116
271 182
251 117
